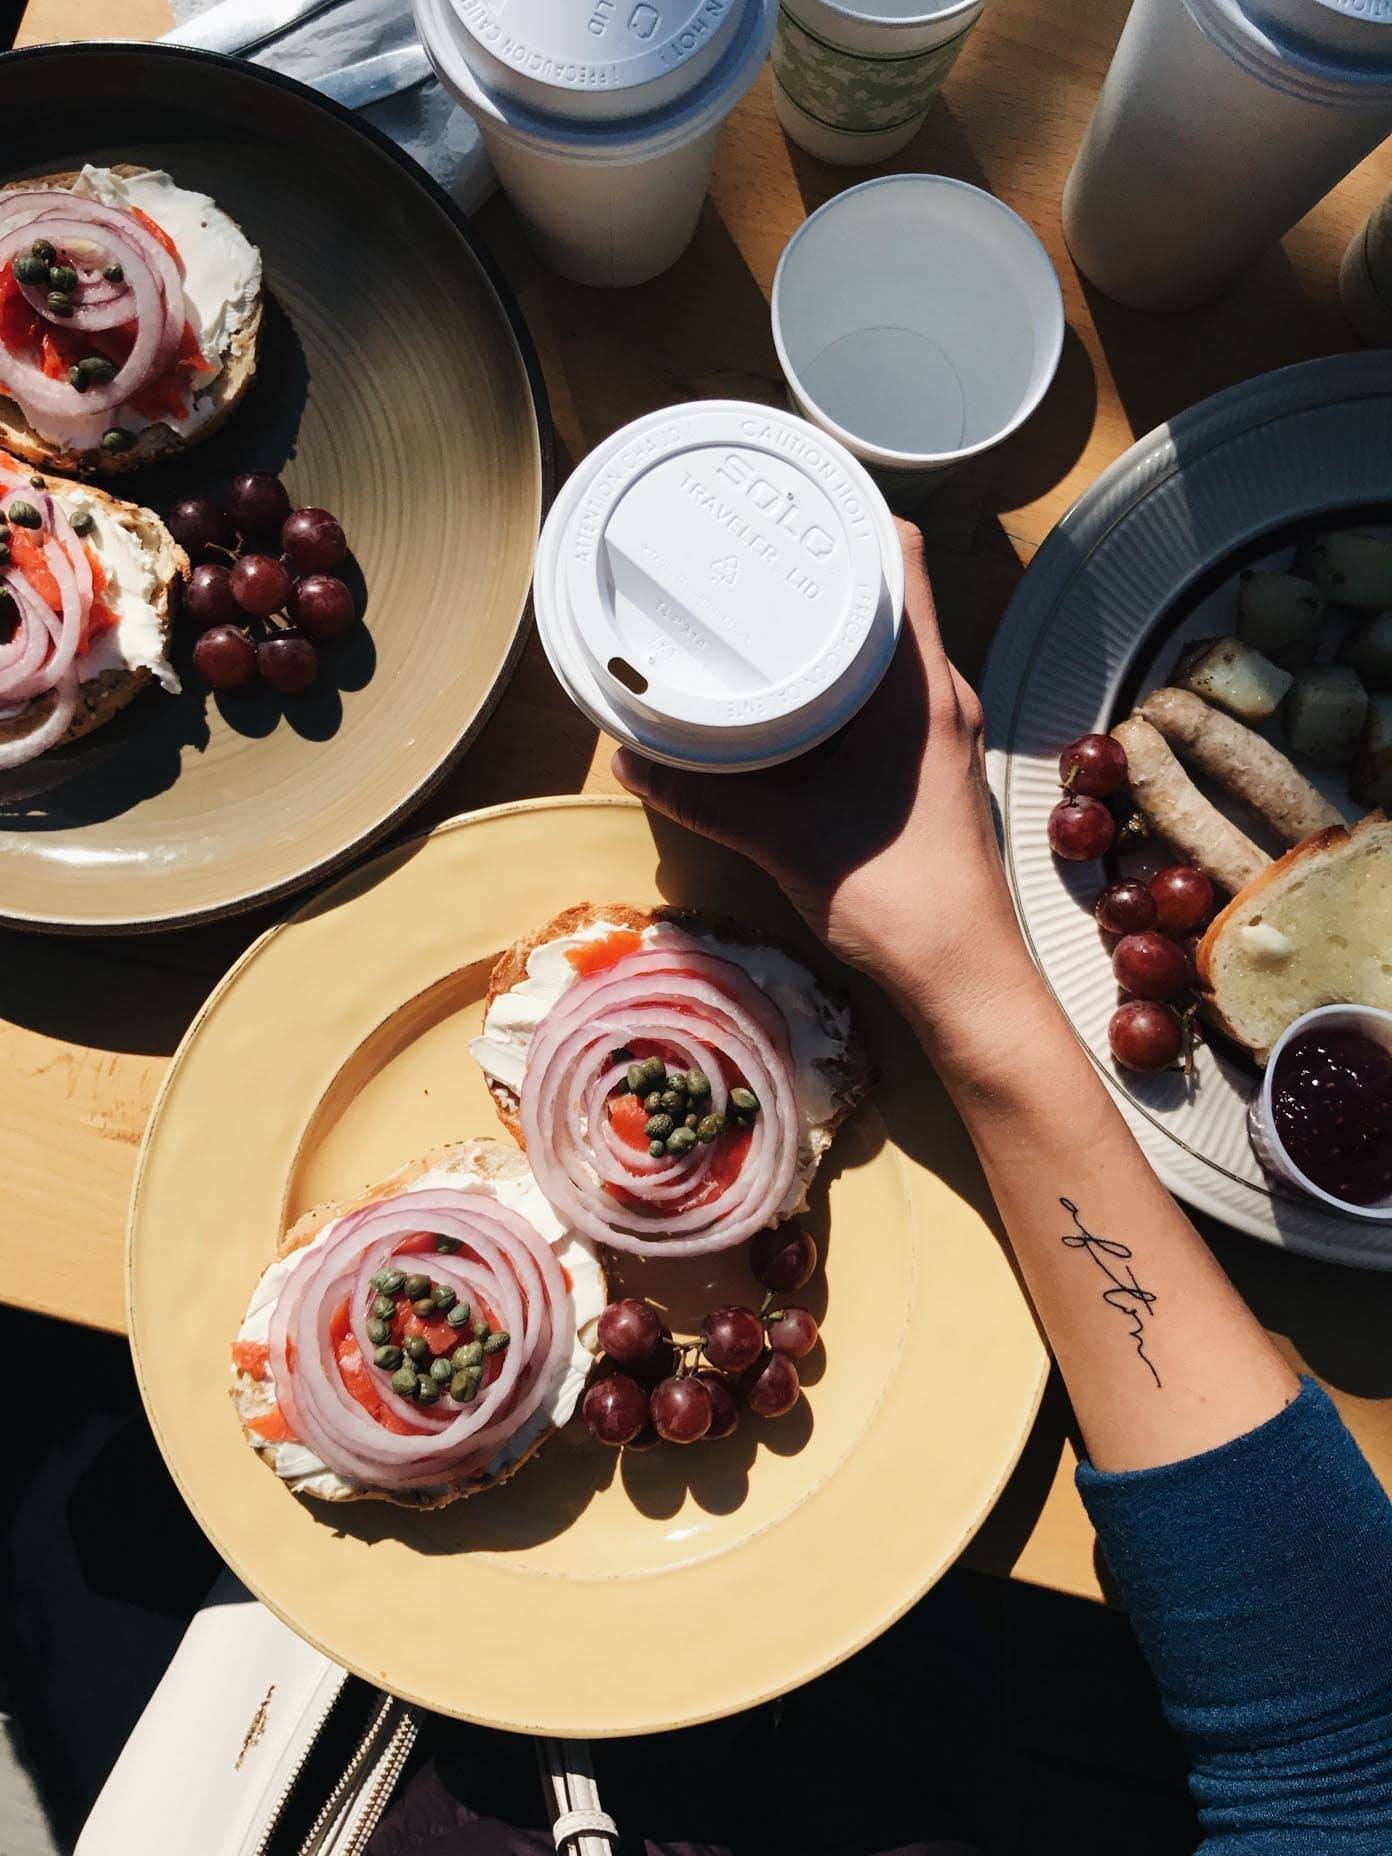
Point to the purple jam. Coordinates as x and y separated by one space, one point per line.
1331 1100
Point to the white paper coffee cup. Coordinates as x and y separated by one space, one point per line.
608 181
720 586
854 79
919 321
1374 1023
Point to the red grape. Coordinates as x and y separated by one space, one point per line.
783 1257
313 540
288 662
771 1387
257 502
1145 1036
793 1331
197 524
209 599
322 606
732 1338
260 584
1183 898
1125 908
226 657
724 1405
1149 966
615 1409
681 1410
1080 829
629 1331
1094 765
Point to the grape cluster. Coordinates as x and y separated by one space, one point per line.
258 560
681 1392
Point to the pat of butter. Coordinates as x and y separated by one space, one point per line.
1266 945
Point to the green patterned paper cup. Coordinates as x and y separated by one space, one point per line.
853 82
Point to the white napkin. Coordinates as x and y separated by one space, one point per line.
425 121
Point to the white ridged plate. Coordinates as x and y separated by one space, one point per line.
1090 628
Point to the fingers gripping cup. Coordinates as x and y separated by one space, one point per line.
720 586
601 117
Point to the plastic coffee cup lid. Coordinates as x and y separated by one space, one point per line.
595 57
720 585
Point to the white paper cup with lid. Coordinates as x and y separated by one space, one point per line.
601 119
854 79
919 321
720 586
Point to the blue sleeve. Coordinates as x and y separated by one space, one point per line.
1259 1582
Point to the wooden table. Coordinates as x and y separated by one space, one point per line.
87 1027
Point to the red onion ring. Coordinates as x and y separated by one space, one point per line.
698 1011
55 726
502 1260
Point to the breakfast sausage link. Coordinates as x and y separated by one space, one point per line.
1175 808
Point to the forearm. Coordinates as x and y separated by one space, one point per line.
1161 1356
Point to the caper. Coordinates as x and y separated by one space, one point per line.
427 1390
496 1342
697 1083
383 1307
388 1358
656 1149
388 1281
96 367
82 521
403 1380
673 1103
654 1072
745 1101
378 1331
468 1355
481 1329
677 1080
464 1387
458 1316
448 1245
636 1078
711 1128
658 1127
652 1102
443 1297
693 1120
424 1307
622 1055
62 277
78 380
117 439
680 1141
30 268
114 273
417 1348
36 482
43 250
59 303
24 515
441 1371
416 1287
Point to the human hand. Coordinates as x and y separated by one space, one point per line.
882 838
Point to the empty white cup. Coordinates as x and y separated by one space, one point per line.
854 79
719 585
919 321
607 164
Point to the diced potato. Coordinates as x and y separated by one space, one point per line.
1232 674
1325 711
1369 652
1280 615
1353 570
1372 769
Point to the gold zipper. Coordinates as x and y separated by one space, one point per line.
390 1760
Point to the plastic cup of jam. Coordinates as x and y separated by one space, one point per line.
1322 1121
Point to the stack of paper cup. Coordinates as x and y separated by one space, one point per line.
601 116
854 79
720 586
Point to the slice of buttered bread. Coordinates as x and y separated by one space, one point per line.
1314 929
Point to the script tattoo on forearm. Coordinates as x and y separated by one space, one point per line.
1123 1292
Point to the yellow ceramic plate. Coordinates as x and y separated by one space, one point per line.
598 1593
397 387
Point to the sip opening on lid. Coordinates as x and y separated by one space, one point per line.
720 586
